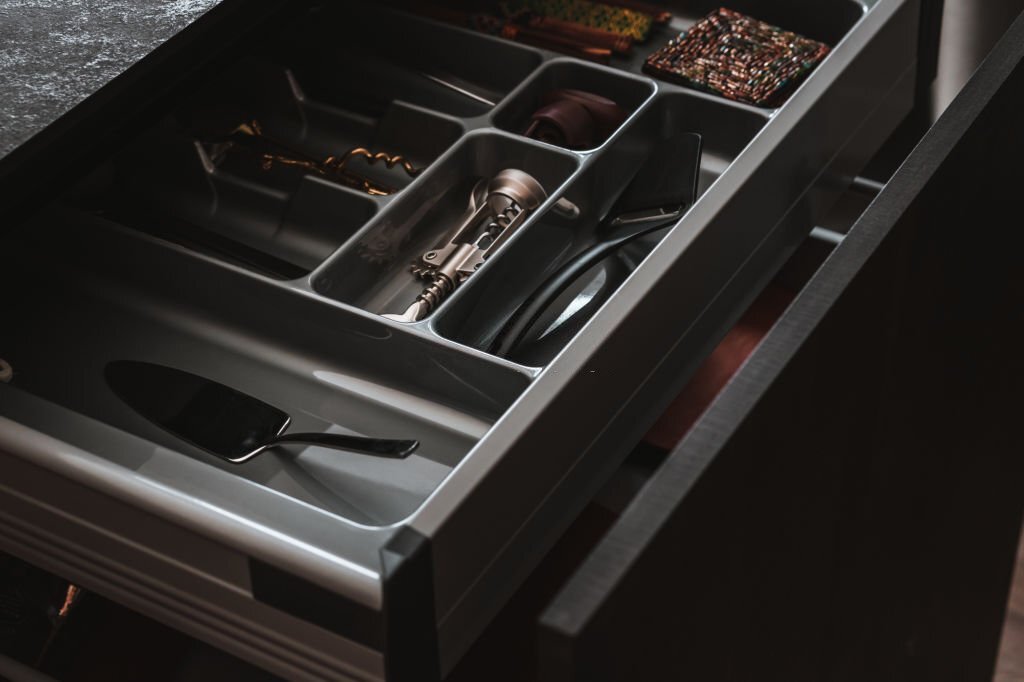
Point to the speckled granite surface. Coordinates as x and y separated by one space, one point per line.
55 53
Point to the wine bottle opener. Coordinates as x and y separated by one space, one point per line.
510 198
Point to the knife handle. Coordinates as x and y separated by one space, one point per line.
376 447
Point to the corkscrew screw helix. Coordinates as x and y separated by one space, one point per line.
510 198
333 167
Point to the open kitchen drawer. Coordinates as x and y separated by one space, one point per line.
274 281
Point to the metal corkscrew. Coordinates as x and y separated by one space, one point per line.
511 196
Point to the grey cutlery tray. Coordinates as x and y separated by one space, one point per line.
318 564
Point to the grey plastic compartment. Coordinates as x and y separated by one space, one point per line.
121 296
273 218
270 93
825 20
487 300
372 272
383 55
628 92
275 96
281 232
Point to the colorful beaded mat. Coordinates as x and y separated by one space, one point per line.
738 57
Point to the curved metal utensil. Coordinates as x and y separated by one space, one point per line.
665 186
377 447
222 421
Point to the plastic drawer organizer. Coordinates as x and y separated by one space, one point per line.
274 281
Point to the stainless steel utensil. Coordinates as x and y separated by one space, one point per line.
510 198
221 420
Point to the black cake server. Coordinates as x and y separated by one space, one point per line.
222 421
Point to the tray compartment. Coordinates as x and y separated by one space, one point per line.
120 295
180 180
282 234
372 272
381 55
629 93
267 89
487 301
828 21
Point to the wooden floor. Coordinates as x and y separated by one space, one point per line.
1010 667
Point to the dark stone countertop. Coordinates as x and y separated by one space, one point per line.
55 53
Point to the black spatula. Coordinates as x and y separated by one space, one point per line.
221 420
